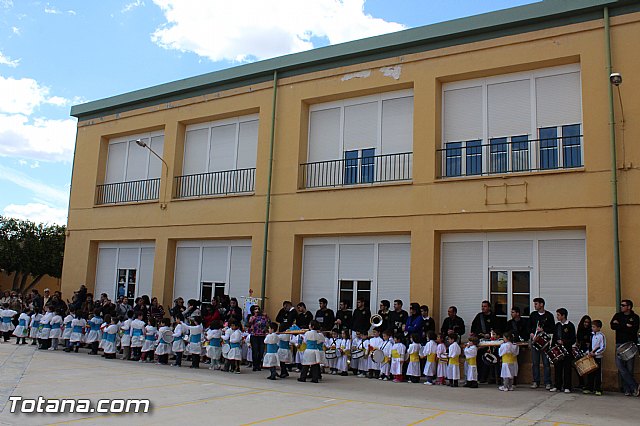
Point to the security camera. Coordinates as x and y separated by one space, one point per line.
615 78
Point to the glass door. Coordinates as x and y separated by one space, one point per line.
351 291
509 288
127 284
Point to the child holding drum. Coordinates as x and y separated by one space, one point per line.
598 346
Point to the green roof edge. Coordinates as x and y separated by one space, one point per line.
495 24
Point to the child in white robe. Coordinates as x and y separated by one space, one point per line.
44 331
77 328
470 365
429 352
509 353
375 343
6 326
235 352
300 345
358 350
194 348
270 359
214 347
443 359
312 358
385 365
284 354
125 340
413 369
178 346
247 354
149 344
34 326
93 336
453 369
398 351
22 329
110 332
137 336
344 350
56 330
163 349
66 333
331 344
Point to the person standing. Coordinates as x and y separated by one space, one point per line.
303 317
626 323
565 335
452 323
483 325
258 329
518 326
540 321
397 317
325 316
384 312
428 323
286 316
361 317
343 317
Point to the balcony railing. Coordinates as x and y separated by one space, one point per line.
216 183
357 171
500 156
128 192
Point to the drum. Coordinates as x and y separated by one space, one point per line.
377 355
330 354
225 349
627 351
167 336
585 365
576 352
540 341
556 353
490 358
357 354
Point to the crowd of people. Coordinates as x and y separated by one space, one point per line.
394 345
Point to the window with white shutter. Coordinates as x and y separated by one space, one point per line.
124 269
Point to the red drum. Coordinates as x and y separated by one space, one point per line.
541 340
556 353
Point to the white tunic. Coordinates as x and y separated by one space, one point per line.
178 342
45 327
225 339
385 366
313 356
137 333
94 331
56 327
344 346
195 339
331 343
163 348
5 320
214 348
66 334
235 340
110 333
356 345
23 326
150 334
397 358
284 348
453 369
271 351
470 367
413 369
443 360
125 340
77 326
34 325
374 343
509 353
429 352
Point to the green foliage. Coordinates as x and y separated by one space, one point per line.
29 249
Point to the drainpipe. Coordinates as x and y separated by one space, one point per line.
268 209
614 162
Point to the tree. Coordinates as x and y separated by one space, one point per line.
30 250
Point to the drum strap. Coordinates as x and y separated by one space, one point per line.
483 324
431 357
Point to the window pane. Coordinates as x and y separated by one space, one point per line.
131 287
571 146
364 291
520 281
206 293
219 290
522 301
499 280
499 303
368 165
364 285
498 155
346 285
520 153
350 167
548 148
474 157
453 152
346 292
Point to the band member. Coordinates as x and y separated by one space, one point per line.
453 369
93 336
375 343
303 317
286 316
235 353
361 316
66 334
597 348
78 325
125 340
583 343
385 365
443 358
565 335
312 357
34 325
163 349
214 348
384 313
398 350
357 346
413 368
626 323
431 361
325 316
270 359
398 318
518 326
56 330
509 353
540 321
45 329
485 323
344 349
343 316
428 323
452 323
470 364
285 356
194 348
178 346
332 344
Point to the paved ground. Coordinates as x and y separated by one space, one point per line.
181 395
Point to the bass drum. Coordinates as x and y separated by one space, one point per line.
377 356
225 349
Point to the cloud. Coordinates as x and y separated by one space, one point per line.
246 30
39 139
41 191
51 10
5 60
22 96
15 30
37 212
130 6
6 4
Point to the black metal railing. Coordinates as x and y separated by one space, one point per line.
502 155
357 171
216 183
128 192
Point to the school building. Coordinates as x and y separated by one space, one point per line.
444 164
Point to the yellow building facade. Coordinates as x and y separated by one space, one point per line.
445 165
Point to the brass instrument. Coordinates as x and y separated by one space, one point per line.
376 320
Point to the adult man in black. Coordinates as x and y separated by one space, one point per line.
518 326
452 323
540 321
625 323
286 316
398 317
303 317
482 325
343 317
361 316
325 316
36 300
384 313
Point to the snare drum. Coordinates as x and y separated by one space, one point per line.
585 365
627 351
556 353
377 356
540 341
331 354
357 354
225 349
